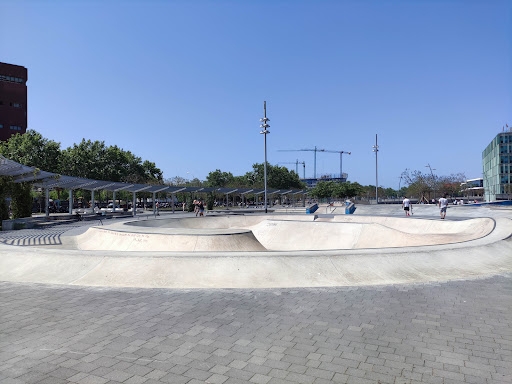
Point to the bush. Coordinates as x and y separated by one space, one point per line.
4 209
21 203
210 200
190 206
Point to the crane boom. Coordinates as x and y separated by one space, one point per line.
296 166
306 150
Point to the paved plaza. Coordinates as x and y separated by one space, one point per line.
454 332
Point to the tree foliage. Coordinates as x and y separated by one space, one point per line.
218 179
328 189
21 200
277 177
4 185
424 186
324 189
94 160
34 150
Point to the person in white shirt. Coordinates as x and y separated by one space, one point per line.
443 204
406 204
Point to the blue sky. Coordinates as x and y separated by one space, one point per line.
182 83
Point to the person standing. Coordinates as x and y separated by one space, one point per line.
443 204
406 205
200 207
157 206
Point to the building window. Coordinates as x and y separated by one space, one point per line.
1 126
15 128
16 105
12 79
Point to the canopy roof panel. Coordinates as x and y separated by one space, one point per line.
23 173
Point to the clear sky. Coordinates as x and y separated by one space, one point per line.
182 83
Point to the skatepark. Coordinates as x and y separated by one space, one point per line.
375 246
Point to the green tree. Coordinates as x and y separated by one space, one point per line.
94 160
21 200
324 189
34 150
277 177
218 179
4 186
348 189
452 184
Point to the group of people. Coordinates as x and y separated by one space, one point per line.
198 207
443 205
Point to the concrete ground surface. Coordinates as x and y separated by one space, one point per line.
454 331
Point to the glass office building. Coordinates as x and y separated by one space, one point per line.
497 163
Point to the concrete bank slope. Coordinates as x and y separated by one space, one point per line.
485 256
279 233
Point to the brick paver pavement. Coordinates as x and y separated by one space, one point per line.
455 332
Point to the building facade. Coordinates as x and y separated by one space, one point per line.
13 100
497 166
312 182
473 188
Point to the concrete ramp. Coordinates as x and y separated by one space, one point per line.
484 256
278 233
98 238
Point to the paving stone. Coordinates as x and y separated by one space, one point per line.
461 333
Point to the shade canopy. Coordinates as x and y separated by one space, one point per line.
23 173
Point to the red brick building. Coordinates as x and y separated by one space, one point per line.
13 100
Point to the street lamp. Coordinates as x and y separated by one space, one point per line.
264 132
376 149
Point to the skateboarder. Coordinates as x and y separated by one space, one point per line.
406 205
443 204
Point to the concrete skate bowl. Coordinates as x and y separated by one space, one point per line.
273 251
279 233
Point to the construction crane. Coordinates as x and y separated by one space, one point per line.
297 166
341 159
306 150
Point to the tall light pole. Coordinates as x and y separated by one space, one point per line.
265 132
376 150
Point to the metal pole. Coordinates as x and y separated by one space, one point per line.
154 203
70 201
341 165
134 204
304 164
172 203
376 150
314 172
265 168
376 173
264 132
92 200
297 167
114 201
47 203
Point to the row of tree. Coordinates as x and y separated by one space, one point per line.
422 186
88 159
96 160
